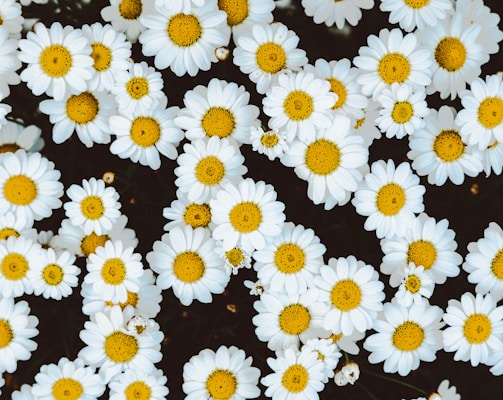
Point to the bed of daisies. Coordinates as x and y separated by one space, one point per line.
242 199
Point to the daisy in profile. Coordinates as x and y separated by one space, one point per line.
206 166
182 212
266 50
247 215
68 379
271 143
299 103
93 206
338 13
475 324
439 152
392 57
222 374
245 14
235 259
331 160
58 60
13 225
15 136
11 63
389 197
416 284
366 127
289 262
185 42
140 384
185 261
328 352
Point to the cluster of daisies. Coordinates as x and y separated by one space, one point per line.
322 119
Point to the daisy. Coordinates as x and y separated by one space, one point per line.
475 325
185 43
17 329
10 59
389 197
492 158
141 137
328 352
290 260
331 160
149 384
182 212
206 166
405 336
247 215
58 60
219 109
366 127
417 283
222 374
85 113
185 261
235 258
256 288
271 143
338 13
438 151
392 57
93 206
354 293
266 50
299 103
12 18
68 379
15 136
244 14
13 225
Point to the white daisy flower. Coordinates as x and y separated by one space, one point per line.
347 343
93 206
266 50
12 18
59 60
439 152
299 103
224 374
389 197
256 287
328 352
447 392
475 325
15 136
244 14
186 262
68 379
417 283
353 291
182 212
492 158
271 143
13 225
289 261
405 336
185 43
392 57
366 127
10 59
338 13
235 258
331 160
247 215
141 384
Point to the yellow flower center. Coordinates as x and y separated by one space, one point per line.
6 334
402 112
221 384
14 266
270 57
450 54
67 389
298 105
289 258
9 148
477 328
417 3
138 390
237 10
113 271
394 67
490 113
53 274
121 347
413 284
218 121
197 215
448 145
137 87
130 9
335 337
295 378
390 199
188 266
337 87
145 131
55 60
20 190
184 30
235 256
408 336
322 157
82 108
422 252
294 319
497 265
90 242
346 295
269 139
210 170
6 232
92 207
245 217
102 56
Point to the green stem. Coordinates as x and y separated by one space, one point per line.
364 389
387 378
346 355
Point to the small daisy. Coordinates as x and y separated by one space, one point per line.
244 14
10 60
256 287
139 384
68 379
347 343
338 12
366 127
417 283
15 136
185 261
182 212
271 143
266 50
13 225
475 325
405 336
289 262
439 152
247 215
224 374
235 258
93 206
389 197
328 352
17 329
58 60
299 103
185 43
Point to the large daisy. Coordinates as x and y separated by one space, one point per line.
338 12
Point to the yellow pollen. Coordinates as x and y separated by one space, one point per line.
53 274
448 145
102 56
237 10
295 378
14 266
67 389
245 217
55 60
137 87
132 300
197 215
269 139
294 319
497 265
450 54
120 347
92 207
9 148
413 284
6 232
90 242
289 258
417 3
422 252
490 113
298 105
113 271
337 87
402 112
138 390
477 328
82 108
218 121
394 67
390 199
184 30
270 57
145 131
359 123
20 190
408 336
320 356
130 9
6 334
234 256
221 384
322 157
210 170
346 295
188 267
